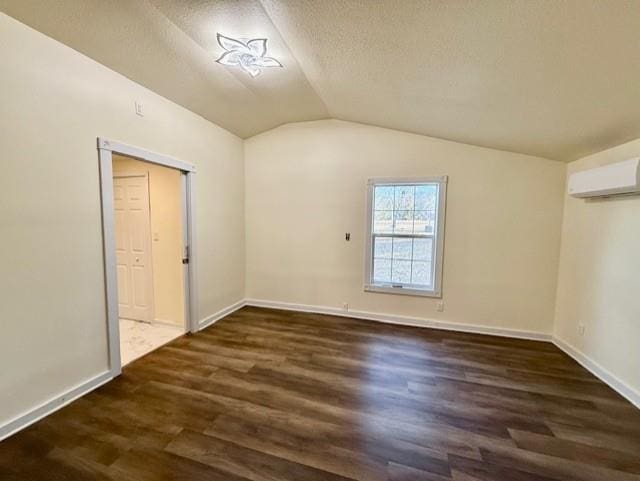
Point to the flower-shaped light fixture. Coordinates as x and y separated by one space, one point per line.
249 55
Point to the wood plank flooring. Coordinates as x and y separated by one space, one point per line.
268 395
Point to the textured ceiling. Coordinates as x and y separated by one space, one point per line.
554 78
137 39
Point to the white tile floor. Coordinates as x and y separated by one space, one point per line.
139 338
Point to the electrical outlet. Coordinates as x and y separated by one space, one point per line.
581 329
345 306
440 306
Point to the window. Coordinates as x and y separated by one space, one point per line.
405 235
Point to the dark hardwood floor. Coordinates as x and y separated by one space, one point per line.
268 395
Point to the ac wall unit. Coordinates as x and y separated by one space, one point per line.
613 179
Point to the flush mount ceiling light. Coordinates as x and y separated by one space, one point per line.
249 55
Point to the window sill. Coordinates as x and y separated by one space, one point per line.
403 291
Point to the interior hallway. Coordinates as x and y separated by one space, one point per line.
139 338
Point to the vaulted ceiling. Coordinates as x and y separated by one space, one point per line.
554 78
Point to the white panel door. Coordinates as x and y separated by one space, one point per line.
133 246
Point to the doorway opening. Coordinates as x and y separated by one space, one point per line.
147 202
147 208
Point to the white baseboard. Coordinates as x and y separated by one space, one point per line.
403 320
52 405
212 319
165 322
600 372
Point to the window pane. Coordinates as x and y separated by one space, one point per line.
382 247
381 270
422 249
404 219
424 222
401 272
404 197
402 249
403 223
383 222
383 197
426 197
421 273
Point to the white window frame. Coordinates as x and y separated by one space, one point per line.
438 236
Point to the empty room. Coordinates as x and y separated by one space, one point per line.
320 240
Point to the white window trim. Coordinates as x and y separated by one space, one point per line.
438 235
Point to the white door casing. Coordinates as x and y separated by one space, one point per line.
133 246
106 148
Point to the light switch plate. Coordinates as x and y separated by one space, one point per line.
139 109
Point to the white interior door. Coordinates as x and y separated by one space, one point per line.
133 246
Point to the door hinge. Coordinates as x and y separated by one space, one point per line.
185 259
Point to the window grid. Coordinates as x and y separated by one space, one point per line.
430 217
413 230
395 219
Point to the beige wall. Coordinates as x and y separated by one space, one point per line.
54 102
165 202
598 283
305 187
